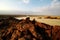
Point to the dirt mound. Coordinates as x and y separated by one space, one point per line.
25 29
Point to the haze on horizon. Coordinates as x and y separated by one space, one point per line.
30 7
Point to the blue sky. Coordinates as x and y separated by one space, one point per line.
42 7
24 4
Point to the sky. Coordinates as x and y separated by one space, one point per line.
38 7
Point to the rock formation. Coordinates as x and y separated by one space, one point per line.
26 29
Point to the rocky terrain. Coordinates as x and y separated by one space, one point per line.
26 29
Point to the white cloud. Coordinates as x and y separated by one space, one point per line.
26 1
8 6
53 8
4 6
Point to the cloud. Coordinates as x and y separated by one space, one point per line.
8 6
26 1
52 9
4 6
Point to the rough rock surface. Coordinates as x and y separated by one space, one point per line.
26 29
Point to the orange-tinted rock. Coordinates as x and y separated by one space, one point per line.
25 29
